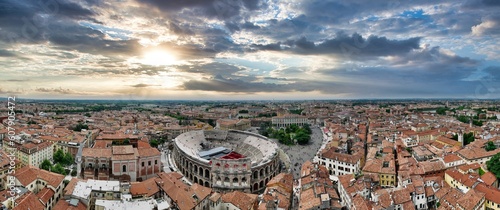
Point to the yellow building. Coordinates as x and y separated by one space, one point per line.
387 180
385 168
33 154
466 182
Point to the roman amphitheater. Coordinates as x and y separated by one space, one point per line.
226 160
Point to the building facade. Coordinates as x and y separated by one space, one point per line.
124 163
290 119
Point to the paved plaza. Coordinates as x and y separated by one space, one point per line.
299 154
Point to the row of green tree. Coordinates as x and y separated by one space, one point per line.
61 159
466 119
290 135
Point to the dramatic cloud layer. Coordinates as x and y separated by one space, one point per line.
250 49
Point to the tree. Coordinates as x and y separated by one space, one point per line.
68 159
126 141
477 122
441 110
494 165
87 115
46 164
302 138
153 143
58 168
490 146
468 138
80 126
59 156
307 128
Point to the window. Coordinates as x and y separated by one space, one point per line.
149 163
156 162
142 163
124 168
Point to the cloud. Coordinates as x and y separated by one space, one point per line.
16 80
6 53
493 71
27 21
142 85
221 84
354 45
56 90
220 9
489 26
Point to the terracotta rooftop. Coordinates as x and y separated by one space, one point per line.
243 201
45 194
470 199
180 193
122 150
97 152
283 180
28 201
68 190
28 174
144 188
489 178
65 205
451 158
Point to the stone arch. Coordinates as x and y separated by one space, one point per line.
195 169
267 170
218 181
200 182
255 187
255 174
201 171
195 179
207 174
244 181
267 180
235 181
261 172
226 181
207 184
261 184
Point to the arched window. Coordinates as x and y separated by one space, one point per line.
124 168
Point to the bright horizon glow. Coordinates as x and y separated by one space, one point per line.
158 58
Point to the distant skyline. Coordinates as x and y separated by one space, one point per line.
249 49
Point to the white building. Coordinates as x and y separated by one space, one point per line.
340 163
289 119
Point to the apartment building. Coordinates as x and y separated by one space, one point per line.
122 162
34 153
340 163
289 119
41 186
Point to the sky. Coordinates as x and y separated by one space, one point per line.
249 49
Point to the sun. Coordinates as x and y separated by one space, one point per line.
158 58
